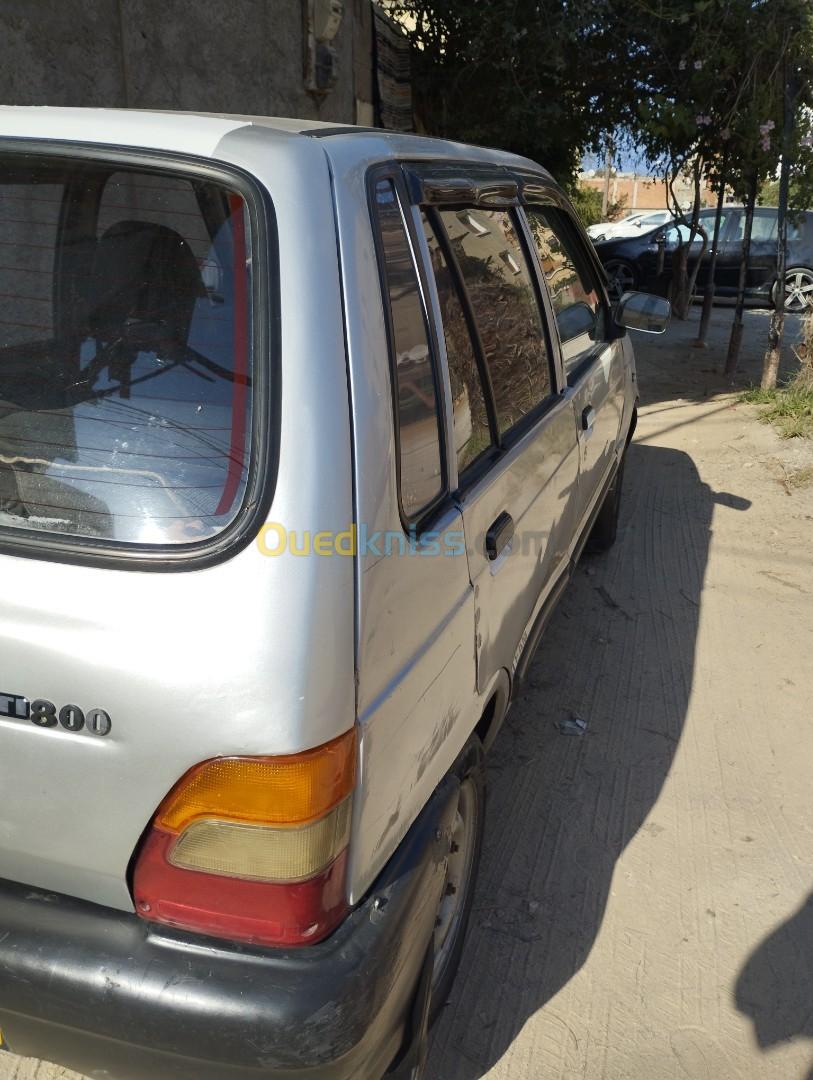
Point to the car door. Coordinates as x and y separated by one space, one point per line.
670 239
514 453
592 353
762 254
698 249
729 252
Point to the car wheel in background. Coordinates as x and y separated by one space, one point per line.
798 291
622 277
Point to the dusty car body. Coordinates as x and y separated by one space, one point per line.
302 431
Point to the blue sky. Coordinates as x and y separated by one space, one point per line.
626 160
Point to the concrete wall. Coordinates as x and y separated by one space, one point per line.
242 56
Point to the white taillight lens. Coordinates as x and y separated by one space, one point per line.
263 853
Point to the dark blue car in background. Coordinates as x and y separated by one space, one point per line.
633 262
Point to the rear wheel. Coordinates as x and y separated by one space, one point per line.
605 528
622 278
461 873
798 291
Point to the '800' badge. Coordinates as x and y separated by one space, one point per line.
45 714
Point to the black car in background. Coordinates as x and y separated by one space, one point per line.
632 262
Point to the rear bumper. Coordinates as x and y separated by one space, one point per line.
107 995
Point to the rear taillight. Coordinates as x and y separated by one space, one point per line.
253 849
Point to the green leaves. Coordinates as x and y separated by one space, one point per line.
684 79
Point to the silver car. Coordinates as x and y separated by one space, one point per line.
302 431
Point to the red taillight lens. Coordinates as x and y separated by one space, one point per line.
253 849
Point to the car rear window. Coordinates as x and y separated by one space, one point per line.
125 352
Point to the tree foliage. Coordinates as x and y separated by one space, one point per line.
698 85
523 75
588 204
686 80
703 104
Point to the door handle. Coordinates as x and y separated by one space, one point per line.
588 418
499 535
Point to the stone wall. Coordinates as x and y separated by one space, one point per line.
245 56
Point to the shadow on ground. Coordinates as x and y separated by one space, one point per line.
775 987
620 654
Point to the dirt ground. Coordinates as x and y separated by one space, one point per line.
645 909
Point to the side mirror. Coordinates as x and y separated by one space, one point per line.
575 320
643 311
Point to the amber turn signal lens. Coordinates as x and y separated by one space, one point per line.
281 791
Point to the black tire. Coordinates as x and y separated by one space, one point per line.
471 802
622 276
605 527
797 301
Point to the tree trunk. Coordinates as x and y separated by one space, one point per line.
770 363
695 228
736 328
679 296
608 164
681 285
708 295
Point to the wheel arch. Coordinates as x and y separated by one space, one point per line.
495 710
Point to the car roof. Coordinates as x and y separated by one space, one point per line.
202 134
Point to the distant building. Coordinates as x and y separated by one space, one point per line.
640 192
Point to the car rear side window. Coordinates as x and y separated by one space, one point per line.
763 230
501 292
472 435
417 412
125 352
572 283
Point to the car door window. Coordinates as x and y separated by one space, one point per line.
472 433
573 285
500 289
676 235
682 234
417 413
707 221
764 229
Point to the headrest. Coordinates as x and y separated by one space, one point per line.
145 272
